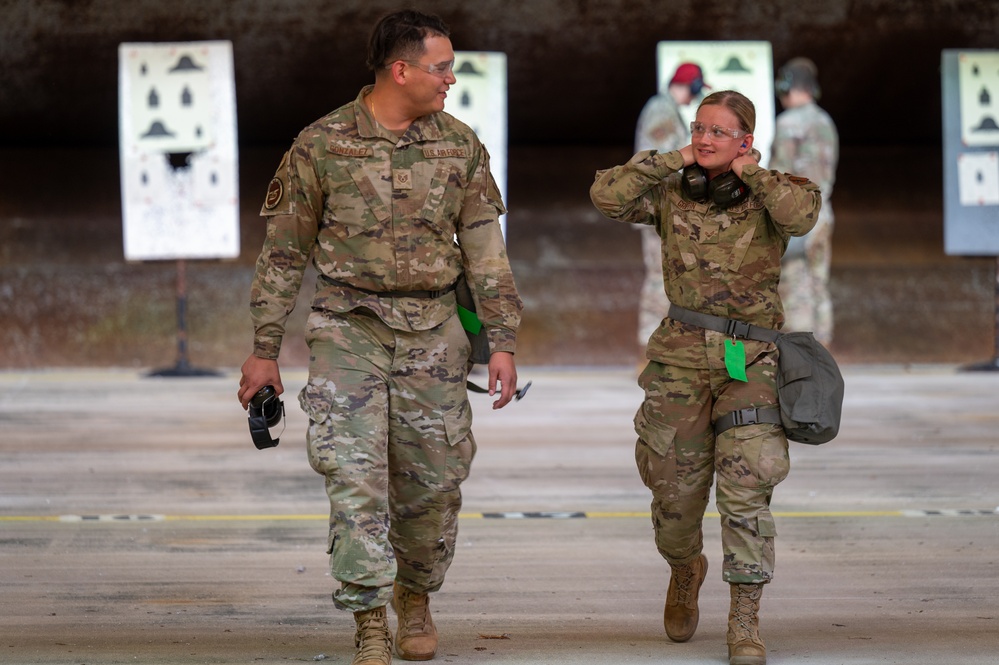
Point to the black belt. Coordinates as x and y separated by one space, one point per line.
393 294
722 325
750 416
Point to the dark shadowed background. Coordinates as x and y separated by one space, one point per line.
579 73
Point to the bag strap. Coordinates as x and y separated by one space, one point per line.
750 416
722 325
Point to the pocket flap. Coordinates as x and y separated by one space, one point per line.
317 401
458 423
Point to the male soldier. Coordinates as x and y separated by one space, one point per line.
662 128
806 143
394 201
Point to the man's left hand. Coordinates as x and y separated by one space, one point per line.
502 369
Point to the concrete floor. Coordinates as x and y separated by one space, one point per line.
138 524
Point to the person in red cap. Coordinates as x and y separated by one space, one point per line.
691 75
662 128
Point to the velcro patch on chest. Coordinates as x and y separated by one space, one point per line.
351 150
402 178
437 153
752 203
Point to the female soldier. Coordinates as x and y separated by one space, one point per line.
710 386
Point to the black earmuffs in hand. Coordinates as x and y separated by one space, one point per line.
264 411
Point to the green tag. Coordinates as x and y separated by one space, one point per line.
735 359
469 320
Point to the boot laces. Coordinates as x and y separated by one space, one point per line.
372 639
684 576
413 609
746 609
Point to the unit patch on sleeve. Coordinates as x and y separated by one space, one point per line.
275 192
276 200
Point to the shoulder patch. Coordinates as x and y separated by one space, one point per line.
797 179
275 192
276 200
434 153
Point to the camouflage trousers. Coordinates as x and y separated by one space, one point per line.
678 456
804 286
390 429
653 303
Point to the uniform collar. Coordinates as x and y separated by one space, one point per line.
426 128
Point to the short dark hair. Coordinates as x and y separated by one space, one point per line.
798 74
400 35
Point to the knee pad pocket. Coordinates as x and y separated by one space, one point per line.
754 455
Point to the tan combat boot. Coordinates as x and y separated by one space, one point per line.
744 644
417 635
372 639
680 616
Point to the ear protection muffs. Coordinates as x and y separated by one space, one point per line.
725 190
265 411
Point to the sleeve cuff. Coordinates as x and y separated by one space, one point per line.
267 348
501 340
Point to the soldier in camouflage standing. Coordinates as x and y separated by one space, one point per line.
662 128
393 201
806 143
710 403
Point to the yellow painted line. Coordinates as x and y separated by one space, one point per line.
243 518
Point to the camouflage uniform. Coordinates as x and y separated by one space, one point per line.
725 263
389 414
660 127
806 143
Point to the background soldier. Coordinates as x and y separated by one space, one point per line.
376 193
806 143
661 127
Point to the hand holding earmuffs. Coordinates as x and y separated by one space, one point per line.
751 156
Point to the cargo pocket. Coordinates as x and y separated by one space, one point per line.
460 445
316 401
766 525
457 423
655 455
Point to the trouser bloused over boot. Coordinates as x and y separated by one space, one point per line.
678 456
390 431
